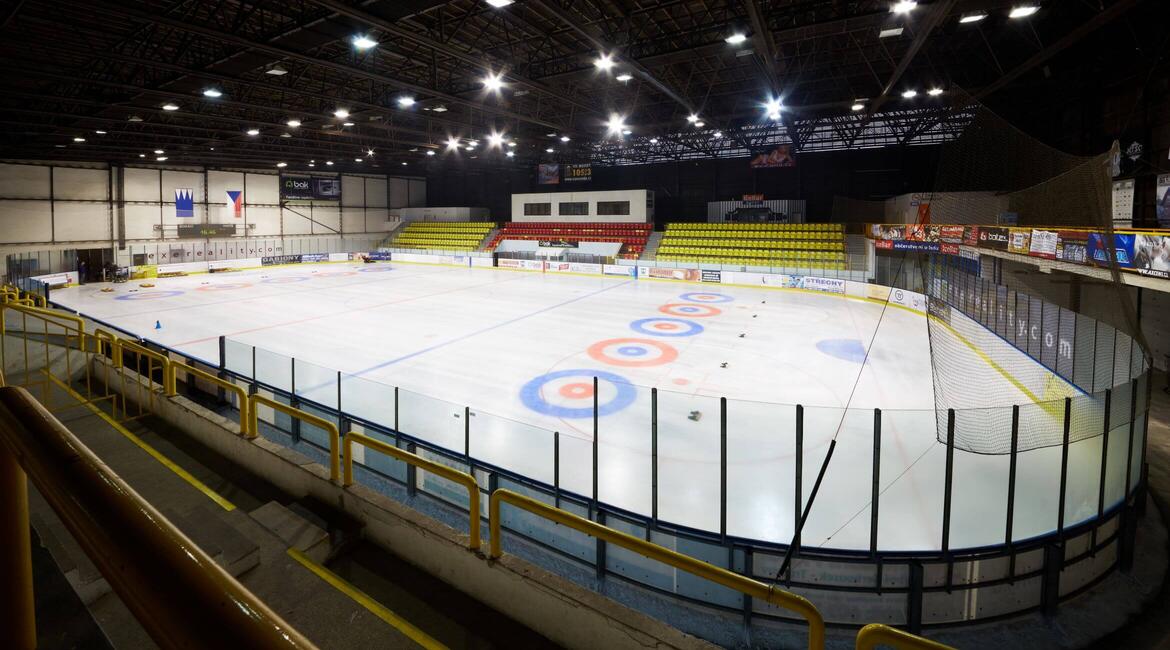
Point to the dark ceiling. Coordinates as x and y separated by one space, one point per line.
75 67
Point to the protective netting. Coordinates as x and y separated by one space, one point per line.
1008 330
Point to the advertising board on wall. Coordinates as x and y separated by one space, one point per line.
993 237
1151 254
578 173
1019 240
310 188
1043 244
548 174
616 269
709 275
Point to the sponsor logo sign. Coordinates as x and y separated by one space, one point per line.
615 269
273 260
1043 244
707 275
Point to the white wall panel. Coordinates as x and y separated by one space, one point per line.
267 220
352 192
375 192
24 181
399 193
418 192
140 221
81 222
353 220
294 223
142 184
328 218
262 188
25 222
85 184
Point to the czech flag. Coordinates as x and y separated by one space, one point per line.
235 199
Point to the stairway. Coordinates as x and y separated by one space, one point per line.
652 246
489 240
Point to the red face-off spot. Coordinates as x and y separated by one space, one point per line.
576 391
668 327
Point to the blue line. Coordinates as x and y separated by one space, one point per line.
469 335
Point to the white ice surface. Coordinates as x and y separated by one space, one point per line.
454 337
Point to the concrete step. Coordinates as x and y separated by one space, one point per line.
81 573
230 549
294 530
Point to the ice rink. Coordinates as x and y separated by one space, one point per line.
521 349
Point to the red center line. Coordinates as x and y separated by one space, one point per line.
346 313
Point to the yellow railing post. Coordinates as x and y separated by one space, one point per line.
463 478
329 427
164 361
729 579
18 629
241 394
875 634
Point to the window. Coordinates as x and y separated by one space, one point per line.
610 208
538 209
573 209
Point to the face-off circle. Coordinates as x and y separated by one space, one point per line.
704 296
669 327
286 280
632 353
333 274
376 269
153 295
230 286
569 393
688 310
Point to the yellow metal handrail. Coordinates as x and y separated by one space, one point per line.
49 313
241 394
329 427
104 337
449 473
875 634
181 596
731 580
168 382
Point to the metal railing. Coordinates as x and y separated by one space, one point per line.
875 634
451 474
181 596
240 393
321 423
754 588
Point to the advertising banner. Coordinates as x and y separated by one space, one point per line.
917 246
1043 244
314 257
548 174
690 275
951 234
1151 254
524 265
1071 246
578 173
828 285
993 237
1098 249
615 269
378 256
948 249
707 275
1019 240
1162 201
273 260
886 231
310 188
556 243
970 235
781 156
884 244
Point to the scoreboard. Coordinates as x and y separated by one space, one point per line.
203 230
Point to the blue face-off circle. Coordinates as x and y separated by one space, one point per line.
377 269
670 327
631 351
286 280
705 297
844 349
531 396
151 295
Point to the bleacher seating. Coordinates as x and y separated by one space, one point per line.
442 235
632 236
803 245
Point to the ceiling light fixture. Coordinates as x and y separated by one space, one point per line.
276 70
653 140
134 118
700 124
1023 11
603 62
772 108
493 82
357 160
212 92
549 150
347 124
625 76
282 164
972 17
161 158
405 101
452 143
935 92
692 118
736 38
329 162
364 42
100 132
341 113
294 123
510 154
565 138
512 144
909 94
500 3
626 132
159 151
170 107
253 131
857 107
903 7
430 152
496 140
891 31
615 124
286 135
717 134
141 155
